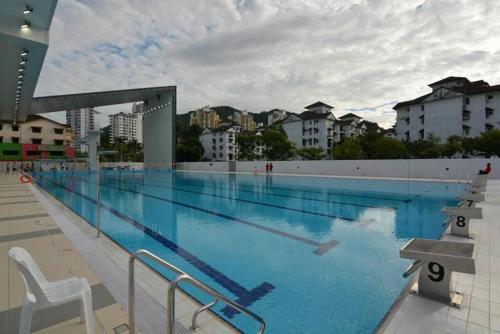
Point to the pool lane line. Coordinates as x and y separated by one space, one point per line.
322 248
236 199
266 193
315 192
245 297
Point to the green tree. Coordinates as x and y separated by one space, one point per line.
120 144
453 146
348 149
276 145
134 149
246 146
489 142
388 148
188 146
312 153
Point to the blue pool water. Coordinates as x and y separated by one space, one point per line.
308 254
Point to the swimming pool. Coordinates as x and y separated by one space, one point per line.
308 254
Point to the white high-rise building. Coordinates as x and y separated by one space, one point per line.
138 110
81 122
456 106
127 125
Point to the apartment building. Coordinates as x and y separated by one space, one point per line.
312 128
276 115
81 122
244 120
220 144
205 118
125 125
36 138
348 126
455 106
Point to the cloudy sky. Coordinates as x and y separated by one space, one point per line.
361 56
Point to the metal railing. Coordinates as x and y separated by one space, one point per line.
181 277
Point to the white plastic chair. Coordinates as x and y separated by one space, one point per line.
41 293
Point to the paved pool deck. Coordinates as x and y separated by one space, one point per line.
64 246
480 311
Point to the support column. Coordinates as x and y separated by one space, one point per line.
93 141
159 131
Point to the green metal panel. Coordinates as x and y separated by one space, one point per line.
10 151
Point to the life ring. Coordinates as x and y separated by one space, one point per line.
25 178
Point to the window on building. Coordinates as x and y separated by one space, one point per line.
10 152
490 97
422 107
466 130
221 155
407 120
465 115
467 101
36 141
32 153
303 142
489 112
422 119
1 126
15 127
57 153
1 139
489 126
214 140
15 140
214 156
58 142
407 135
36 129
58 131
421 134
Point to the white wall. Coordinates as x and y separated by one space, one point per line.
452 169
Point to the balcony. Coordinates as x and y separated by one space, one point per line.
465 115
489 112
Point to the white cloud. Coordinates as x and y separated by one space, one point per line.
359 55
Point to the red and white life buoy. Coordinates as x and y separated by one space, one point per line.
25 178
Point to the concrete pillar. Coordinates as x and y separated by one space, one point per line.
159 131
93 140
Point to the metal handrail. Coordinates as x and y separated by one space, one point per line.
194 325
181 276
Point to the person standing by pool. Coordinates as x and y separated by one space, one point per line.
270 167
14 168
267 168
7 168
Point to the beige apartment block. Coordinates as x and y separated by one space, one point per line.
36 130
205 118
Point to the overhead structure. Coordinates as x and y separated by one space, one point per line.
24 40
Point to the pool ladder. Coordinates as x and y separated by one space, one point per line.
181 277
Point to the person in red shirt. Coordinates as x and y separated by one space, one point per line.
486 171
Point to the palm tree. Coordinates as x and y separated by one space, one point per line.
121 145
134 149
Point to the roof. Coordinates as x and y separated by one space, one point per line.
306 115
469 88
318 104
344 122
411 102
31 118
449 79
349 115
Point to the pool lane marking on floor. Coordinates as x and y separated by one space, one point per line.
405 200
236 199
263 193
245 297
322 248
